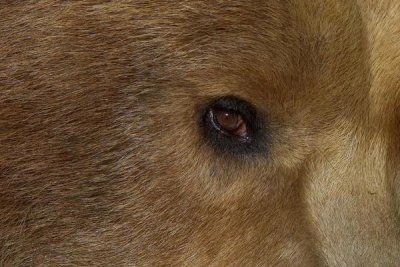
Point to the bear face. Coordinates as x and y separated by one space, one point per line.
256 133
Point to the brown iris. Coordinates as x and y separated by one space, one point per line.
229 122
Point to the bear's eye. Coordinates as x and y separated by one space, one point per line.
232 125
228 122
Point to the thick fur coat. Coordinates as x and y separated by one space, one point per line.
103 161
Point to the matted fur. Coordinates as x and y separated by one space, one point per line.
102 162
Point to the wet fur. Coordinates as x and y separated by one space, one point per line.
102 162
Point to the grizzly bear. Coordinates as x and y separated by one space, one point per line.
200 133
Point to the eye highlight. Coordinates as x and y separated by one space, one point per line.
233 126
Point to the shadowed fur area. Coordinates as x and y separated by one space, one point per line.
108 158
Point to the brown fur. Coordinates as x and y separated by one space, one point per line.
102 162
